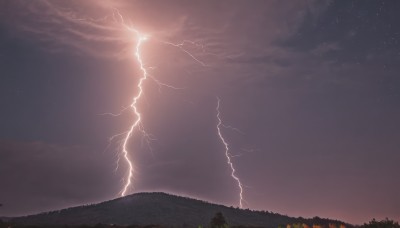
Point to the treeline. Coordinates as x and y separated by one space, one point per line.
219 221
386 223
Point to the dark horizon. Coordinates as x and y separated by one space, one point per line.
173 210
309 103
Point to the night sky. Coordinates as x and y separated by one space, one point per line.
312 86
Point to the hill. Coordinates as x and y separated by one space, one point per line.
162 209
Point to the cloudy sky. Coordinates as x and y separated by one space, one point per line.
312 86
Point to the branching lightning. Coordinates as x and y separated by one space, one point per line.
137 125
187 47
181 47
134 105
227 153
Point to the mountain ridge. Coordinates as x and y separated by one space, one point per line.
163 209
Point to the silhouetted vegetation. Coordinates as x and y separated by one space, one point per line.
154 208
218 221
381 224
160 210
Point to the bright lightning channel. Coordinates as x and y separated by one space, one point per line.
137 124
228 155
141 38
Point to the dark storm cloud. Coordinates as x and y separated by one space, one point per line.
312 85
37 176
60 26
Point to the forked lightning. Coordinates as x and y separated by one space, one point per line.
140 39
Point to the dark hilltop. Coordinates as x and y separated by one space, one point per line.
162 209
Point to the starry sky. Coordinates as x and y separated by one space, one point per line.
313 88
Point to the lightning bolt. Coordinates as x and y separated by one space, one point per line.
227 153
137 124
140 39
145 75
183 46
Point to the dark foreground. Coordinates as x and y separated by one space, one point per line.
165 211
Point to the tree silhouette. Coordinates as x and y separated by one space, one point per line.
218 221
381 224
